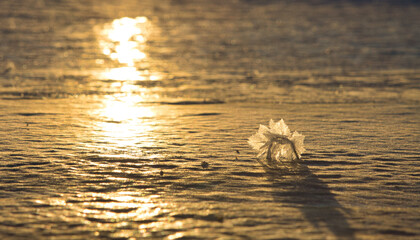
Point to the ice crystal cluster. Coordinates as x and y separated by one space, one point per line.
276 144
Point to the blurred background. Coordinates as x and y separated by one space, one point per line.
238 50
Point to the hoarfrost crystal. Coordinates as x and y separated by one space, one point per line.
276 144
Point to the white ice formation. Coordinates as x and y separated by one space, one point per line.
276 144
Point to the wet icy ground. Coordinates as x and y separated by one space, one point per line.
66 173
97 142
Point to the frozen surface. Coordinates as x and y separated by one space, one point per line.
130 119
233 51
68 171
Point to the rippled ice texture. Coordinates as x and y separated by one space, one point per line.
234 51
104 136
66 173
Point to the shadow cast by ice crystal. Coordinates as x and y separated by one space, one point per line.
295 184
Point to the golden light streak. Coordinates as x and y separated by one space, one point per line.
124 41
124 122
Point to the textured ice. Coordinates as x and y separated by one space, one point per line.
277 144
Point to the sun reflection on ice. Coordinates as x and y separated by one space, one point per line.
124 41
123 126
122 136
123 123
124 109
128 73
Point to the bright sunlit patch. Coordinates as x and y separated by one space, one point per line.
127 74
176 235
154 77
124 124
124 108
124 40
122 73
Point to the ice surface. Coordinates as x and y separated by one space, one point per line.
84 137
